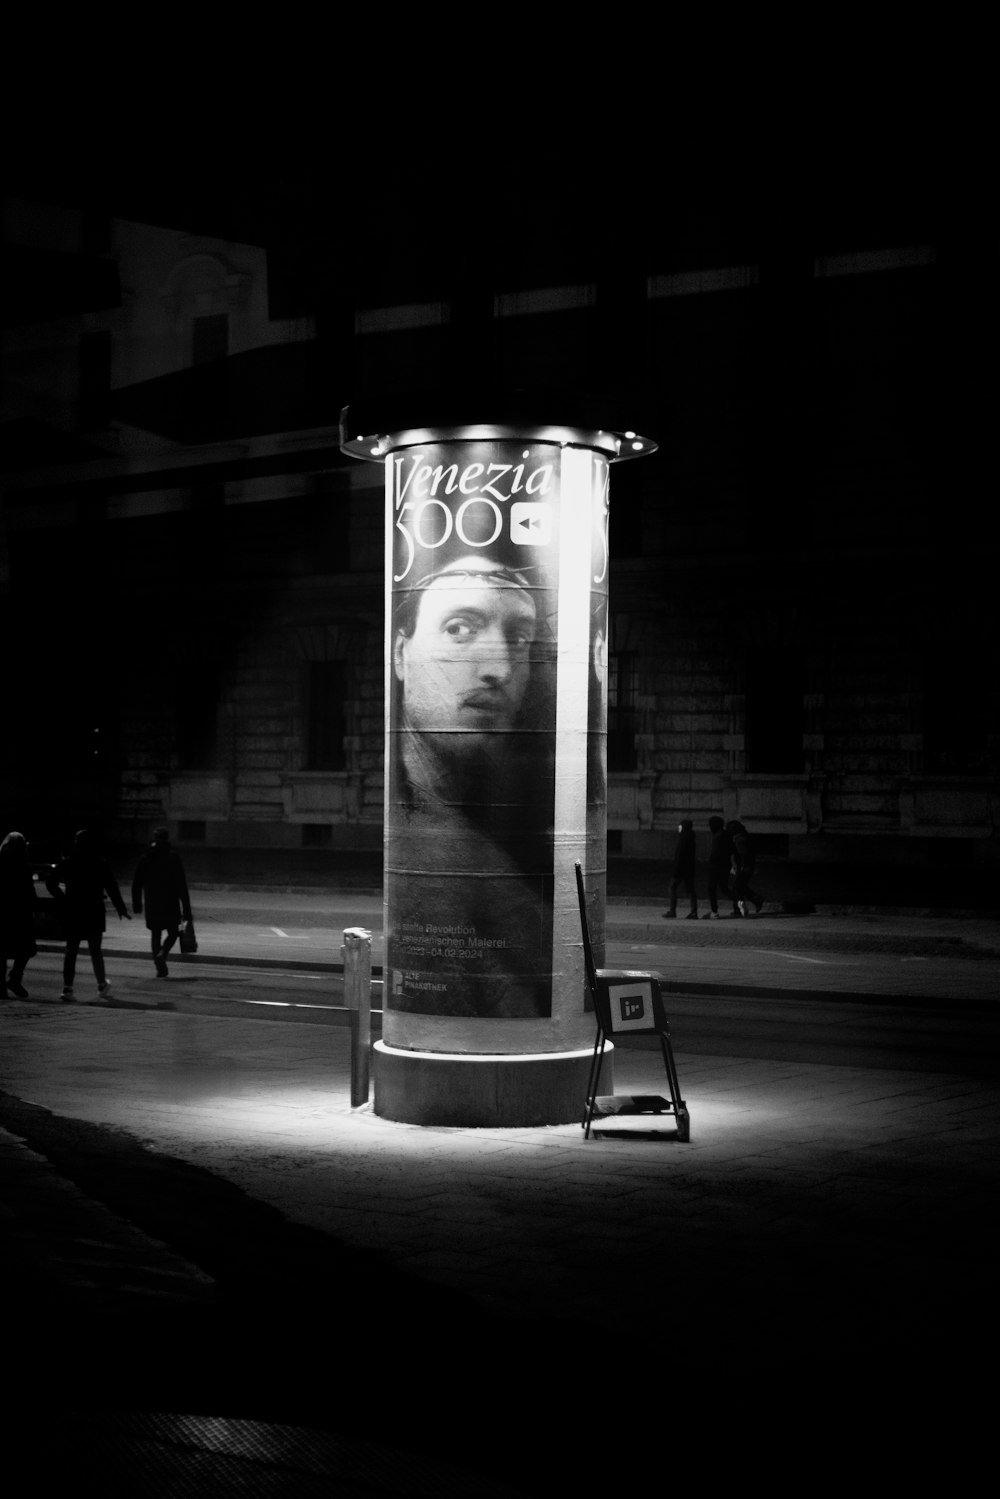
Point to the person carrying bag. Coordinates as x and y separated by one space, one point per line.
161 886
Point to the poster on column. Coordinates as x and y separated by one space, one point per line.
471 728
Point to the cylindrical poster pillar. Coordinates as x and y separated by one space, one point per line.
495 765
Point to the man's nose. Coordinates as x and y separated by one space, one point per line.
495 661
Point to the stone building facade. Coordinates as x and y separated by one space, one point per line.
192 573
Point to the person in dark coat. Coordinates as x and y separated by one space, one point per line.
79 883
17 913
719 865
684 866
743 861
161 885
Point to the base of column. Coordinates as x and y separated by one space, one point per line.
484 1092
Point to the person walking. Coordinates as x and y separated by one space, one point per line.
17 913
720 855
161 885
684 869
79 883
744 859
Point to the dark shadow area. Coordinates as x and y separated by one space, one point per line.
293 1328
291 1357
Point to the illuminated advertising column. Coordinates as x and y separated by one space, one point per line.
495 765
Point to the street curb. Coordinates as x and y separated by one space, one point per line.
796 907
668 986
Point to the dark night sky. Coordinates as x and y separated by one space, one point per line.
363 203
331 168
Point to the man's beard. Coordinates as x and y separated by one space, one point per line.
461 769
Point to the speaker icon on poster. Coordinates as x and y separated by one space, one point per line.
530 524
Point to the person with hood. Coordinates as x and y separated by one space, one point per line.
743 861
684 867
79 883
161 884
719 862
17 913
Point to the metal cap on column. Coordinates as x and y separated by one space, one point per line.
495 751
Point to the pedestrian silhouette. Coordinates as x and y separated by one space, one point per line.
744 859
161 886
684 869
79 883
720 855
17 913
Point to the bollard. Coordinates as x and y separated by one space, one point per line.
357 954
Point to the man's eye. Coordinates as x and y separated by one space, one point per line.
520 638
459 629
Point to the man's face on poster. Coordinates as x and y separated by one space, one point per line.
465 664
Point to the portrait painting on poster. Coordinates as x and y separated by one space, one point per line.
470 746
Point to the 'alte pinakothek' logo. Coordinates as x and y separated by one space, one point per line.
475 502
